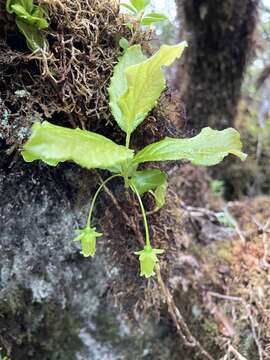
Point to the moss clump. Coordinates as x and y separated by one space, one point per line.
237 272
27 328
255 135
67 84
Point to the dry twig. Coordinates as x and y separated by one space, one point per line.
262 354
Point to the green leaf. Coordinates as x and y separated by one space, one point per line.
26 4
140 4
151 18
8 6
123 43
53 144
35 20
145 82
129 7
208 148
35 40
160 195
20 11
29 19
148 179
38 14
217 186
119 85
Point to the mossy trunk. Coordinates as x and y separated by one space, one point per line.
220 39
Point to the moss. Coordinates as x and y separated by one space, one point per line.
210 328
235 268
68 85
255 170
30 330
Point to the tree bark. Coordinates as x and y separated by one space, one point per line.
219 34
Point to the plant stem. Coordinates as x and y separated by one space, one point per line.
125 167
137 29
96 195
144 216
127 140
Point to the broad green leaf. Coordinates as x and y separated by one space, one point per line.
129 7
140 4
148 179
160 195
208 148
119 85
151 18
34 38
53 144
145 82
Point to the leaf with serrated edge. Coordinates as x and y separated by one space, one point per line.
148 179
53 144
207 148
118 86
146 81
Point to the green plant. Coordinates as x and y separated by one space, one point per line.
217 186
137 7
135 87
3 357
30 19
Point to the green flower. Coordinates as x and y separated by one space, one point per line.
148 260
87 237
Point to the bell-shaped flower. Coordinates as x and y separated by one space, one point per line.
87 237
148 259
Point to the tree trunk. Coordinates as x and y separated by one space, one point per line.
219 34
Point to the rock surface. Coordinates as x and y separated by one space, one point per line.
54 302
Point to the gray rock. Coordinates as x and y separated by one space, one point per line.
53 302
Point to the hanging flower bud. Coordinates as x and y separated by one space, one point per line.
148 260
87 237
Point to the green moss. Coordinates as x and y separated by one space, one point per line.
28 328
210 328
